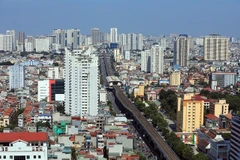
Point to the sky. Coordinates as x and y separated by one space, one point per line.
149 17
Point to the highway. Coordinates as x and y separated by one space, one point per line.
163 147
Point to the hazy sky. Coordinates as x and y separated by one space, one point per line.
150 17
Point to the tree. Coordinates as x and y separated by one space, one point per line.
61 109
200 156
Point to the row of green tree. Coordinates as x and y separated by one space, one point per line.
109 103
169 103
232 100
185 152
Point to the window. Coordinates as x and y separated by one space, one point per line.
11 157
34 156
39 157
4 157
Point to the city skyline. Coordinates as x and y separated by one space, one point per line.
152 18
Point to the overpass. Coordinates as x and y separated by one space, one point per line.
157 144
113 80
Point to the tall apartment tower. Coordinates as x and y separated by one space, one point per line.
146 61
13 34
6 42
60 38
123 40
235 136
157 60
21 37
175 78
190 113
113 35
140 42
215 48
181 50
81 82
73 38
16 76
95 34
131 41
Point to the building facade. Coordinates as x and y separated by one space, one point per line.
157 59
24 145
113 35
95 34
6 42
42 44
73 38
175 78
146 61
215 48
181 50
223 79
16 76
81 82
235 136
190 113
219 108
52 89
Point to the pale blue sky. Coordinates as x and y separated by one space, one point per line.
150 17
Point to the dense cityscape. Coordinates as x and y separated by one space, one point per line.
126 96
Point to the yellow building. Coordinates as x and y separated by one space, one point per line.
139 92
175 78
190 113
221 107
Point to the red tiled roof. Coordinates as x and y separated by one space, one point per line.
25 136
89 156
229 116
211 117
8 111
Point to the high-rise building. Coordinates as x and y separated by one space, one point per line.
223 79
55 72
73 38
127 55
42 44
13 33
157 59
181 50
219 108
123 40
6 42
175 78
60 37
235 136
81 82
215 48
131 41
140 42
113 35
16 76
146 61
95 34
21 37
51 89
190 113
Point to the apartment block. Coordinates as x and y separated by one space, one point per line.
190 113
235 136
175 78
215 48
219 108
81 82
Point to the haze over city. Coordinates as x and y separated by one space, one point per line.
120 79
152 17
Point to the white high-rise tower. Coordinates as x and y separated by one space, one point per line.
157 59
113 35
81 82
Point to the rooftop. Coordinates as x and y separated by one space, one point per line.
25 136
